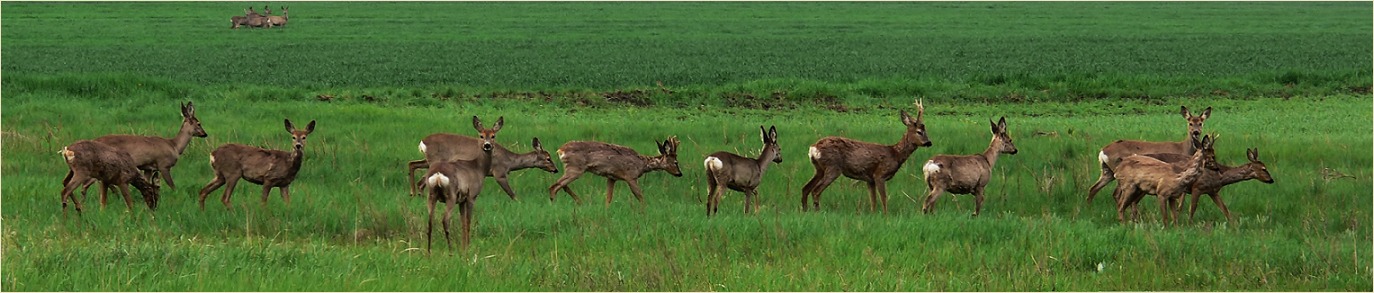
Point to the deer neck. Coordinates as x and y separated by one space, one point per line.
904 147
652 163
1228 175
765 158
991 153
182 140
518 161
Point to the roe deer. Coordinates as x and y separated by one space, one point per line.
459 182
614 162
252 19
1112 154
269 168
966 174
871 163
93 160
155 155
1140 175
448 147
740 173
1212 181
273 20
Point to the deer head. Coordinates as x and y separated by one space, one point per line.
189 120
1256 168
1195 122
1000 138
545 160
668 158
298 136
488 136
915 128
770 143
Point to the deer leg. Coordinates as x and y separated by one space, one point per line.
749 202
69 189
285 194
1102 180
569 175
634 188
214 184
229 191
448 219
429 224
505 186
931 197
710 192
610 189
104 189
128 200
882 193
810 185
266 190
410 169
166 176
872 196
977 201
830 176
467 222
1217 199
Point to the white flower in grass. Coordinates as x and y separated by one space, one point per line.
1100 266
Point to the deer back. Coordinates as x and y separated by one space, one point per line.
158 151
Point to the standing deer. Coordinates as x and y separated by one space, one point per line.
740 173
93 160
1212 181
252 19
269 168
1140 175
273 20
449 147
966 174
152 154
459 182
871 163
1112 154
614 162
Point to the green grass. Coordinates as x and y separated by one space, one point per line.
1291 79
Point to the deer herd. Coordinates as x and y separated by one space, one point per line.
458 164
251 18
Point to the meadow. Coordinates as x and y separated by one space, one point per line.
1291 79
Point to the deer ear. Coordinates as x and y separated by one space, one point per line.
289 127
1184 111
906 119
1002 123
476 123
536 144
763 133
1252 154
310 127
499 121
773 134
1206 113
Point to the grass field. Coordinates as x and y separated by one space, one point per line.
1289 78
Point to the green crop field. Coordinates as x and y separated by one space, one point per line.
1291 79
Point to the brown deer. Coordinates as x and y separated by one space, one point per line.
152 154
269 168
1211 181
1112 154
252 19
1140 175
966 174
459 182
448 147
740 173
273 20
614 162
871 163
93 160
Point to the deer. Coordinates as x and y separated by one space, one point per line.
154 155
1140 175
871 163
273 20
458 182
739 173
1211 182
1112 154
447 147
269 168
93 160
966 174
615 162
252 19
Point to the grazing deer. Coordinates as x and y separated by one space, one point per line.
871 163
449 147
966 174
1211 182
273 20
155 155
459 182
1140 175
269 168
93 160
740 173
1112 154
614 162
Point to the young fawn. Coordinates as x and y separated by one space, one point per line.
614 162
93 160
269 168
966 174
871 163
458 182
740 173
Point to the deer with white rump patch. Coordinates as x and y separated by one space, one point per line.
93 160
1212 181
450 147
615 162
269 168
1138 176
966 174
458 182
1112 154
740 173
151 154
871 163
